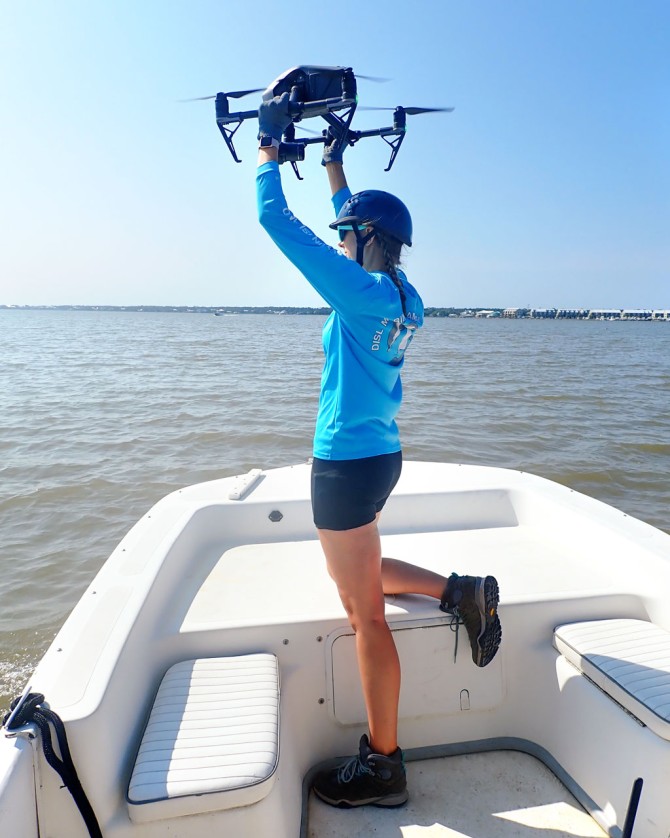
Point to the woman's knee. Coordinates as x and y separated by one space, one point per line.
365 622
362 602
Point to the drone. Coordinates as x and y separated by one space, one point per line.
328 92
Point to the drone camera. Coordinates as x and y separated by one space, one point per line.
291 152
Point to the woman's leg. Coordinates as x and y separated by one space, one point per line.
473 599
354 561
404 578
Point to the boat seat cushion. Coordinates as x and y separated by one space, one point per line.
629 660
212 739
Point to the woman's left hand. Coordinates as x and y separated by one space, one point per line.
333 147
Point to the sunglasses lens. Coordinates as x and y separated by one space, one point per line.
345 228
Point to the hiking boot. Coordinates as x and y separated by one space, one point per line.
474 601
367 779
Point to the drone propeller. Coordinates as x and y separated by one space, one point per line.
236 94
410 111
301 127
376 79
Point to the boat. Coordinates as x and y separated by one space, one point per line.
209 670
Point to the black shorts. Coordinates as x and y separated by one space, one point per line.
349 493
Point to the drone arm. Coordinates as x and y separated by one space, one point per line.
394 131
240 116
355 136
290 152
321 107
299 110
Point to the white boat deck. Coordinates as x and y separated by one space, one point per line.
255 584
501 794
233 568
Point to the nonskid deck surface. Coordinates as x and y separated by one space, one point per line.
231 594
500 794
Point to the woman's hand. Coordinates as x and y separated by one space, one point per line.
333 149
273 117
273 120
334 146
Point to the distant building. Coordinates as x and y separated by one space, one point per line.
661 314
636 314
543 313
604 314
571 313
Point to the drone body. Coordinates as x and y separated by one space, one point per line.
319 90
328 92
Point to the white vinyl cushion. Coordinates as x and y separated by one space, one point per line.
629 660
212 739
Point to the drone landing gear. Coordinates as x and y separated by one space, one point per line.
224 118
228 134
395 147
398 133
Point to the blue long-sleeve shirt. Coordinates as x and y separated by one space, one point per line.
364 338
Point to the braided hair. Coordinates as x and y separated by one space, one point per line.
391 249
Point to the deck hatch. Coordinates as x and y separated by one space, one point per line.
432 684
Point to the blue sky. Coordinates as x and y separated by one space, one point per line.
549 185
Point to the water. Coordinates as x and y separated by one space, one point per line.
104 413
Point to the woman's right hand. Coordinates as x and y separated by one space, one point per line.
273 117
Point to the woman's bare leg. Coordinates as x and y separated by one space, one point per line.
404 578
354 561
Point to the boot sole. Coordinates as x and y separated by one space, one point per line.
487 595
391 801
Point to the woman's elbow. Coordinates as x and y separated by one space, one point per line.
265 216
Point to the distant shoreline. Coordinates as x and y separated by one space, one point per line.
479 313
179 309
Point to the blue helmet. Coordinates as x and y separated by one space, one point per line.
377 209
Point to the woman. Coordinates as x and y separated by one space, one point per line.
357 453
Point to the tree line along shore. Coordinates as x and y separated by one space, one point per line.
430 311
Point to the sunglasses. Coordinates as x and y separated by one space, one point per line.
345 228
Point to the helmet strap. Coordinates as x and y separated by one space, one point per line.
361 241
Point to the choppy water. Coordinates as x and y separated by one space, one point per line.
103 413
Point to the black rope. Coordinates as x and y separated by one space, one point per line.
32 711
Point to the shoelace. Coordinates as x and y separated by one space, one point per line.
352 768
456 621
